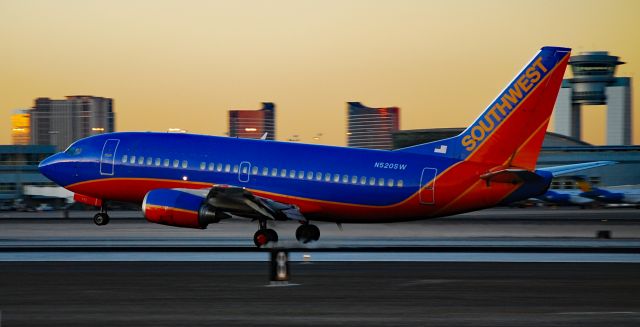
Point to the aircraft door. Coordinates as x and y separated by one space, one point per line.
108 156
244 171
428 186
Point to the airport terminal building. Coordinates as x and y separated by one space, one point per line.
19 170
557 150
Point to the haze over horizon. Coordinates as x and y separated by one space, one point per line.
184 64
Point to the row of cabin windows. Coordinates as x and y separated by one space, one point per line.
150 161
301 174
265 171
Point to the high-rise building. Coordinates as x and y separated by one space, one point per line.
253 124
61 122
594 83
20 127
371 127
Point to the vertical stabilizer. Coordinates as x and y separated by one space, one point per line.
511 129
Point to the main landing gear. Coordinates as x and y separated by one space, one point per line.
304 234
264 235
101 218
307 233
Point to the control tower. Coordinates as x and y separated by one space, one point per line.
594 83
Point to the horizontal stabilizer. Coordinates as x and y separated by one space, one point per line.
570 169
510 176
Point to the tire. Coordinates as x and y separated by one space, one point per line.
315 232
272 235
264 236
101 219
307 233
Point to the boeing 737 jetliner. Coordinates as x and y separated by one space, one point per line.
189 180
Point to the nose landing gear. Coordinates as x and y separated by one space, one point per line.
101 218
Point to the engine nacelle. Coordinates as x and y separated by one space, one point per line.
178 208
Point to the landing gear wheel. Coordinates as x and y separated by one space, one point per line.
264 236
273 236
307 233
101 219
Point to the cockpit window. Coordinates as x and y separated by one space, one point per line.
73 150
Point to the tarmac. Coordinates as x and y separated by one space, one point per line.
499 267
319 294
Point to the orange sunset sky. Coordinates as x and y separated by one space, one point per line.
183 64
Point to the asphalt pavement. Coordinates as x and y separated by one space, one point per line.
499 267
319 294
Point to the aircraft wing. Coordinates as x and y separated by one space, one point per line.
241 202
570 169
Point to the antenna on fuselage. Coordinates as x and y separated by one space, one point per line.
264 136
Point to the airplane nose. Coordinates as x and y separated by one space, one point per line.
46 166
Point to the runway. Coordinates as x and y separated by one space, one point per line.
325 294
495 227
501 267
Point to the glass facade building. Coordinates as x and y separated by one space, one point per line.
21 127
371 127
253 124
61 122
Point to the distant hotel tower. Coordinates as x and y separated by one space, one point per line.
594 83
372 127
20 127
252 124
61 122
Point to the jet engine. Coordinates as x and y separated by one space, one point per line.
179 208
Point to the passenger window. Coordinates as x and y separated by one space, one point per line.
390 182
372 181
301 174
318 176
400 183
165 162
210 166
235 168
283 173
176 162
203 165
185 164
227 168
354 179
124 158
345 178
149 161
140 160
363 180
245 169
254 170
327 177
380 181
219 167
265 171
292 174
310 175
274 172
157 162
132 160
336 177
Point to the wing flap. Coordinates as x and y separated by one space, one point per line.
241 202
